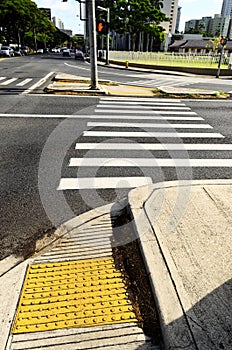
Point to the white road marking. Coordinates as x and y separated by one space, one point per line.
150 134
155 146
150 125
143 112
2 78
149 162
39 83
181 108
122 103
139 99
9 81
102 182
24 82
93 116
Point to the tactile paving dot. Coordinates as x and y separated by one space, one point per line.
80 293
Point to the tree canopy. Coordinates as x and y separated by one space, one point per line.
21 21
136 16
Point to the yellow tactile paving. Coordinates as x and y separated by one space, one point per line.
80 293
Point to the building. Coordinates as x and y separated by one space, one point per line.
47 12
170 8
226 8
178 19
191 25
219 25
57 22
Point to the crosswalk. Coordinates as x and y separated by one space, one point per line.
162 82
181 81
4 81
133 139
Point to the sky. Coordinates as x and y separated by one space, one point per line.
69 11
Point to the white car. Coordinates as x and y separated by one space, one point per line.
5 51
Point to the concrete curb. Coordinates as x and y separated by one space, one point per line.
181 334
48 241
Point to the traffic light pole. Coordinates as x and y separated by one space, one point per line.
93 44
108 37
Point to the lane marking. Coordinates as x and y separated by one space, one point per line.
151 134
155 147
2 78
150 125
24 82
149 162
102 182
93 116
9 81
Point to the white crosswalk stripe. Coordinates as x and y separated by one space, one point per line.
4 81
8 81
24 82
126 111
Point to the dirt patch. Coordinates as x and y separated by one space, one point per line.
217 95
129 261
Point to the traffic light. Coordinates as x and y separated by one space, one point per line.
223 41
102 26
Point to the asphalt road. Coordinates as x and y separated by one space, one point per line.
36 149
27 72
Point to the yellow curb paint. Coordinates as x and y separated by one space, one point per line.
80 293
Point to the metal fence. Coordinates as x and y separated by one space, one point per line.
172 59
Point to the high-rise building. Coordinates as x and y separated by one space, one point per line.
46 11
57 22
170 8
226 8
178 19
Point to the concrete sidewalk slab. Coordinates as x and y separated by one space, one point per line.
185 237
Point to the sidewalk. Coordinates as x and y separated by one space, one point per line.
70 295
76 85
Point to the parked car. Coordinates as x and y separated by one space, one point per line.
25 50
67 52
79 55
18 52
46 50
5 51
40 51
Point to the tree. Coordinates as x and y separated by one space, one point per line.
20 19
137 16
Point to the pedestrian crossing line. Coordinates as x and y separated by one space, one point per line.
147 117
142 111
102 182
139 99
24 82
150 162
155 146
131 107
9 81
150 125
130 103
2 78
151 134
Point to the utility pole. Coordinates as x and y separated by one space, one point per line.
93 44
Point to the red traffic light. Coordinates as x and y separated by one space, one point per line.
223 41
102 27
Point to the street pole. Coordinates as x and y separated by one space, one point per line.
108 37
219 63
93 44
